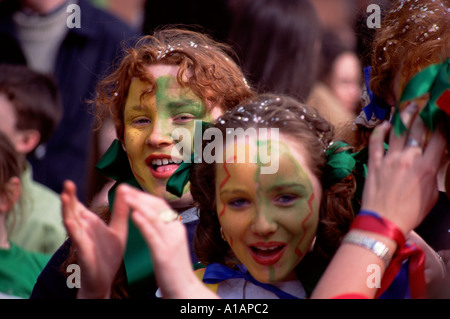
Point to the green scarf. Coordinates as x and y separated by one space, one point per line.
138 263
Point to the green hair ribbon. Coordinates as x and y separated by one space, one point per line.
433 80
342 164
339 164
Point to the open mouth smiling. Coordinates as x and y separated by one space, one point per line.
162 166
267 253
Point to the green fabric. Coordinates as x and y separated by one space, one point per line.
178 180
36 223
19 270
342 164
114 164
435 81
339 164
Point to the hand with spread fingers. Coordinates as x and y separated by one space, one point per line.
401 184
167 240
99 246
401 188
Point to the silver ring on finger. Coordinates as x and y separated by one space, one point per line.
412 142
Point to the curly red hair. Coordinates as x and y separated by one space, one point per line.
412 36
213 74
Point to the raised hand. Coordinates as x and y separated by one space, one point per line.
167 240
99 246
402 185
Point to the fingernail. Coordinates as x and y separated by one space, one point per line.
412 107
385 124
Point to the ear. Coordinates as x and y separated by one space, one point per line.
13 188
27 140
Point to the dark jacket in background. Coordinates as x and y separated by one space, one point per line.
83 58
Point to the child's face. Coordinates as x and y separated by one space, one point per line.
269 220
149 124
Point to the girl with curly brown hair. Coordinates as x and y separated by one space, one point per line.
267 223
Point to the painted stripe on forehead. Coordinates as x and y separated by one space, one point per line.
298 173
182 97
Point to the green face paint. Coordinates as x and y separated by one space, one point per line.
149 123
272 218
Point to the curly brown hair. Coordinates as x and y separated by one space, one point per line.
412 36
306 125
213 74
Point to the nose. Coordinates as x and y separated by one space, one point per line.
264 222
161 134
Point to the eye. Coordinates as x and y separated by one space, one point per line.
285 199
183 118
140 121
239 203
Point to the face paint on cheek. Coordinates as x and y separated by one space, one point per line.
311 211
133 170
130 159
298 221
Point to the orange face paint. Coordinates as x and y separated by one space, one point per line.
272 218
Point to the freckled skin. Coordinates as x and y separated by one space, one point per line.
281 207
149 123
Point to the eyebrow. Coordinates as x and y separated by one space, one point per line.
137 107
184 102
281 186
233 191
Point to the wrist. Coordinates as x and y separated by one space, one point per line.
373 222
379 214
383 247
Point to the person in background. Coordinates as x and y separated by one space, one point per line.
30 109
76 43
19 268
278 44
341 71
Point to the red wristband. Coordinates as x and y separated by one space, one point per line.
370 221
366 220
